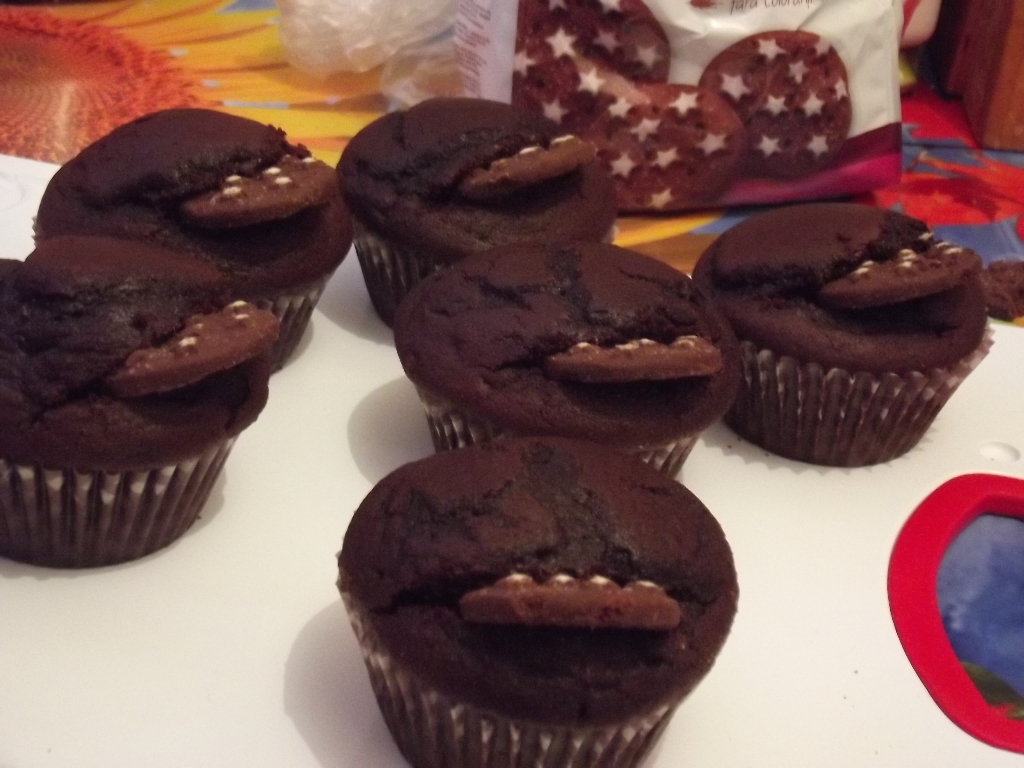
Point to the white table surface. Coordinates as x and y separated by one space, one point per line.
231 647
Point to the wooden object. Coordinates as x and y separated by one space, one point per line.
979 53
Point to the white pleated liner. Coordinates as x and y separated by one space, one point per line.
836 418
452 427
293 312
432 730
389 270
71 519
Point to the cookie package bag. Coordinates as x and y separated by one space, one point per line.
695 103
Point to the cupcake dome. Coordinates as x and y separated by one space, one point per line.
563 520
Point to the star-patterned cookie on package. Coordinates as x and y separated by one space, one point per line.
668 147
565 50
790 89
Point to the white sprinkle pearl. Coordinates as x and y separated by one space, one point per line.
272 170
233 178
231 191
283 180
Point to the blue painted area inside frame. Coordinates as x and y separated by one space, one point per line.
980 592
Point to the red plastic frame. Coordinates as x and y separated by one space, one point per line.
913 568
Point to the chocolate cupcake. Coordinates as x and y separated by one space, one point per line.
856 326
455 176
223 189
588 340
126 373
534 601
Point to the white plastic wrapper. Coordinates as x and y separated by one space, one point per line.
695 103
326 36
421 71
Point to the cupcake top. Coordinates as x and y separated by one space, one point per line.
115 355
458 175
847 286
224 189
542 578
580 340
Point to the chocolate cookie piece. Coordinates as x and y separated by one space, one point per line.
791 90
482 334
668 147
909 274
776 276
1004 289
207 344
74 312
275 192
565 601
436 532
640 360
528 166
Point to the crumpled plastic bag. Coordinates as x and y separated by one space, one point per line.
422 71
326 36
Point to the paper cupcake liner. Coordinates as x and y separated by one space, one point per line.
71 519
452 427
837 418
389 270
293 312
434 730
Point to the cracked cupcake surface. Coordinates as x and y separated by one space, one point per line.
95 372
638 580
580 340
226 190
847 286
